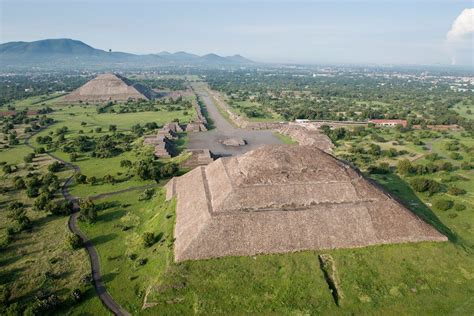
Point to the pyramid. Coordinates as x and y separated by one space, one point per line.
110 87
278 199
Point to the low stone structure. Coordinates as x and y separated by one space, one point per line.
199 157
234 142
162 141
109 87
307 136
285 198
200 123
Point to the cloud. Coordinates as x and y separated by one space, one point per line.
462 27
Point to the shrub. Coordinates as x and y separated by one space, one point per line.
404 167
76 295
425 185
432 157
456 191
80 178
459 207
29 158
74 241
382 168
147 194
148 239
443 205
20 184
55 166
455 156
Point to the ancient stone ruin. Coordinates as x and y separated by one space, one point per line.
305 135
278 199
162 141
110 87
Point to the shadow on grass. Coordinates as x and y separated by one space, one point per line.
403 193
102 239
110 216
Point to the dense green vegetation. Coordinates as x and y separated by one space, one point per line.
45 270
355 96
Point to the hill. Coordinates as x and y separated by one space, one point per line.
69 53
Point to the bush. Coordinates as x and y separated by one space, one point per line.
76 295
148 239
443 205
29 158
19 184
455 156
147 194
459 207
456 191
55 166
74 241
425 185
382 168
404 167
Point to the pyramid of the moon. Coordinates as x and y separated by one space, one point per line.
278 199
110 87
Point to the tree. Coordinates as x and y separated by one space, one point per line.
404 167
125 163
29 158
425 185
55 166
19 184
443 205
453 190
73 157
74 241
112 128
7 169
148 239
88 210
41 201
80 178
147 194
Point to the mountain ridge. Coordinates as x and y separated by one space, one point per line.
48 51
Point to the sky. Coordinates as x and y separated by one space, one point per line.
338 31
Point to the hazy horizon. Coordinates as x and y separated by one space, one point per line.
364 32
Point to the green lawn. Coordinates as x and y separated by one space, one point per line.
285 139
125 278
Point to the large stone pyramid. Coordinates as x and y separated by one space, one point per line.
110 87
279 199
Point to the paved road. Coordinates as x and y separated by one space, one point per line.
104 296
223 129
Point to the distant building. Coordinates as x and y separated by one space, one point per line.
389 122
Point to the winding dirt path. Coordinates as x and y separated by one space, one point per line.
99 286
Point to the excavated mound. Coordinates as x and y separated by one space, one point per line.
279 199
110 87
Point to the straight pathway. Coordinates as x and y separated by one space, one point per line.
223 129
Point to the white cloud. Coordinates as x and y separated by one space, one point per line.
463 26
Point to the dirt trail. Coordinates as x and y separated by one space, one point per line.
99 286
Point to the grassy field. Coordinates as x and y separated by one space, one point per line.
421 278
121 250
391 279
285 139
240 108
462 109
40 259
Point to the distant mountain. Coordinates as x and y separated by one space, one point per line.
68 53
